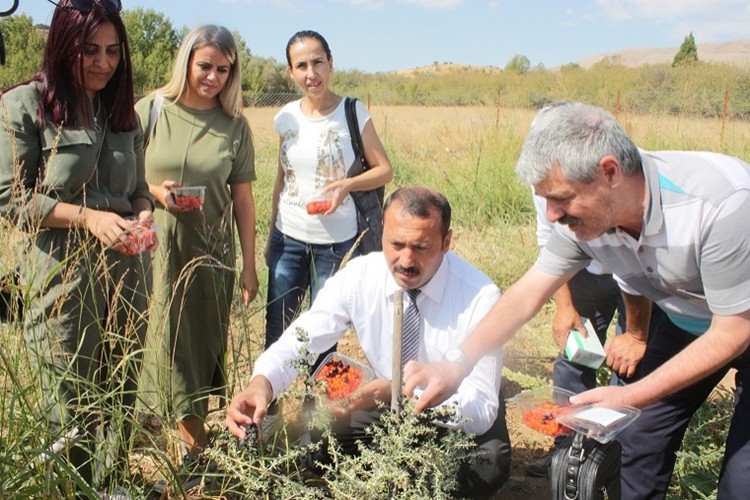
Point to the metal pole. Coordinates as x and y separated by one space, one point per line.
398 329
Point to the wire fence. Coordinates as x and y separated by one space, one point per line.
695 102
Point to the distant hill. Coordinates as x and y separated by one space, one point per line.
735 53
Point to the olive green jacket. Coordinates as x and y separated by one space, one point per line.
41 164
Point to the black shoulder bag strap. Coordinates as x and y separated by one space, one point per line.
350 105
572 467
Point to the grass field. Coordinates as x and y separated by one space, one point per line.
469 155
466 153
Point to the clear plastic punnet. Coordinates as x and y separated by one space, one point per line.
139 239
342 376
540 408
319 203
189 197
599 422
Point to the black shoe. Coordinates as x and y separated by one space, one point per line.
539 467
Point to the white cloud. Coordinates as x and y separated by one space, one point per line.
435 4
666 10
373 4
715 28
614 9
715 21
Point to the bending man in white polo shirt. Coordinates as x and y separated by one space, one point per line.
674 227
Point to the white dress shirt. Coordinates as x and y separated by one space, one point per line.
361 296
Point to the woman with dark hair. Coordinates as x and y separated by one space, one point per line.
313 218
72 179
199 138
315 153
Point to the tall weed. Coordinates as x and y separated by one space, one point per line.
468 154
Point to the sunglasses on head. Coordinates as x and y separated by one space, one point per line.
85 6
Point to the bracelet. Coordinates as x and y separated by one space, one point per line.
151 203
79 214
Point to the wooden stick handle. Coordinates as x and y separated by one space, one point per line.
398 330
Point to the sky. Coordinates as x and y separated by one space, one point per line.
387 35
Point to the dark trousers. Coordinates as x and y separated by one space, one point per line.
595 297
481 476
650 443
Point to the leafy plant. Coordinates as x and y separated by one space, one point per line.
696 471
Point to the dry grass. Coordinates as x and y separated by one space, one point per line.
442 143
468 154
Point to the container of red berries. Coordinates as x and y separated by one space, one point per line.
140 239
339 376
319 203
540 408
189 197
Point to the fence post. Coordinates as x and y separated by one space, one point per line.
396 368
724 117
497 112
617 105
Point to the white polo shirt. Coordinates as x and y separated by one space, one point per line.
693 255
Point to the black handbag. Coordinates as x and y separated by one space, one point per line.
584 469
369 203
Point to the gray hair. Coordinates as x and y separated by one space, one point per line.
575 136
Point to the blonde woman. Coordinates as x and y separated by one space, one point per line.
198 137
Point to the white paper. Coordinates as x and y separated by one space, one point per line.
601 416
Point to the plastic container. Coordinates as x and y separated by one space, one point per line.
341 375
139 239
585 351
319 203
540 408
189 197
598 422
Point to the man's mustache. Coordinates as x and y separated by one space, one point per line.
569 219
413 271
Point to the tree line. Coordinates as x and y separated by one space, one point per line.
153 45
688 86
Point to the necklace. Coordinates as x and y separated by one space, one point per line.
95 113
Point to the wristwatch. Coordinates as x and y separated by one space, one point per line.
456 355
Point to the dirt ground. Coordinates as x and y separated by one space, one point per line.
527 445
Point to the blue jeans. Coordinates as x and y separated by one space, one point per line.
295 267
